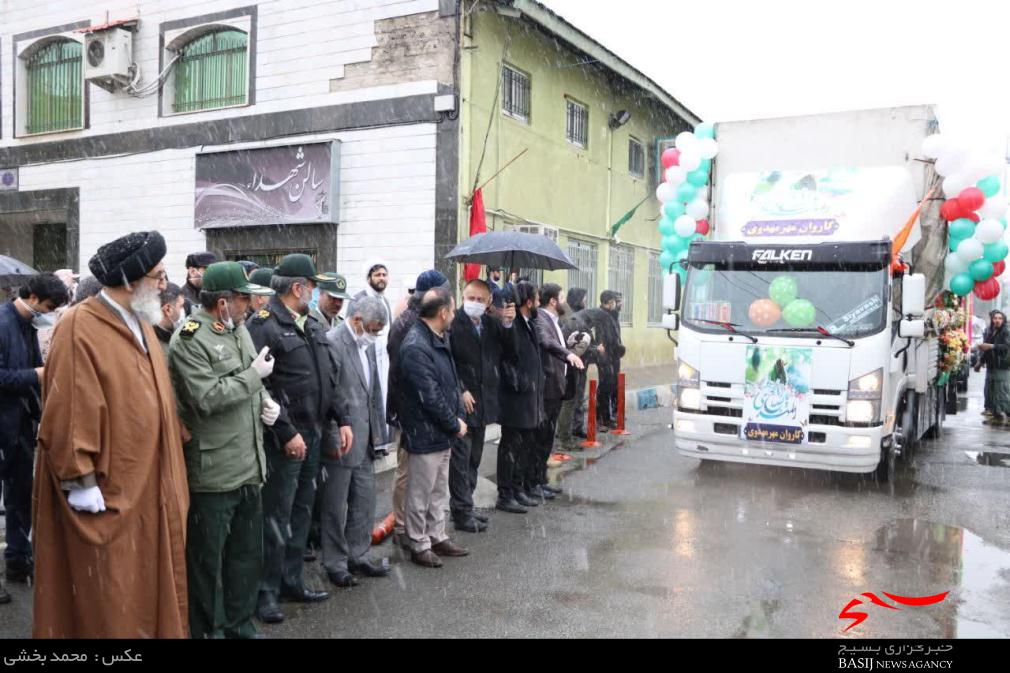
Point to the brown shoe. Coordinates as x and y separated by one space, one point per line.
449 548
426 558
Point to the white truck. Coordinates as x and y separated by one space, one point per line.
797 345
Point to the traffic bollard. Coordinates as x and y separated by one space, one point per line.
619 430
591 442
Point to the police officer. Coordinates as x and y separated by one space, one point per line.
260 276
218 379
303 383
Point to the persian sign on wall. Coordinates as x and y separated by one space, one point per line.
776 405
291 184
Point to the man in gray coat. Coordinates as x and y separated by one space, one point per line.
348 511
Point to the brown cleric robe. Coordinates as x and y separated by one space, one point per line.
109 414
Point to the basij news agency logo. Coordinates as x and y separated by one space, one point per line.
858 617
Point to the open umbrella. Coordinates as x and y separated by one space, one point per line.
13 272
512 249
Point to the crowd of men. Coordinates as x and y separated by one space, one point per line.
190 448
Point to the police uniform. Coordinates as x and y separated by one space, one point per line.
303 384
220 399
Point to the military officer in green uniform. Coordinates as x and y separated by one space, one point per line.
218 380
332 293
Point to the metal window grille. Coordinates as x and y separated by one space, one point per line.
577 128
211 72
515 93
636 158
622 278
655 290
55 86
584 256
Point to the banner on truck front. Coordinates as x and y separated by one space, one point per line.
776 403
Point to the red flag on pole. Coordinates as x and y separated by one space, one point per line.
478 225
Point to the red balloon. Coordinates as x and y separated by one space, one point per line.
671 157
998 268
702 227
971 199
987 289
973 217
951 210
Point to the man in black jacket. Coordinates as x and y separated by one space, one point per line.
521 405
173 304
996 357
556 360
608 334
303 383
479 343
430 417
196 265
576 329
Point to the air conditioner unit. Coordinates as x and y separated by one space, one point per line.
108 55
538 229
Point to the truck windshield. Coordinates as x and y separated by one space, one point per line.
849 303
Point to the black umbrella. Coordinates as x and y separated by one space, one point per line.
13 272
512 249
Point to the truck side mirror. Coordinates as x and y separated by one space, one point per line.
912 329
671 292
913 295
671 321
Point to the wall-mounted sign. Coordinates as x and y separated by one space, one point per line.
291 184
8 179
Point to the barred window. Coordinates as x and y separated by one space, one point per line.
515 95
622 278
55 88
577 126
655 290
584 256
211 72
636 158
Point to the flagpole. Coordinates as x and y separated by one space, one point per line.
488 181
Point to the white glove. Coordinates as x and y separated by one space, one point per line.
87 499
270 411
263 364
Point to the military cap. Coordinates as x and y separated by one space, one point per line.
298 265
262 276
335 285
200 259
229 276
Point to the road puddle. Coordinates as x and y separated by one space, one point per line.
989 458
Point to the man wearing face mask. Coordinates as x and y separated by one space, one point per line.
111 499
218 378
173 304
349 483
20 410
196 265
479 344
377 275
303 383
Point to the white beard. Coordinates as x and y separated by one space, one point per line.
146 304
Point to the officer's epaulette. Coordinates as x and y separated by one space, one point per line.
263 314
189 329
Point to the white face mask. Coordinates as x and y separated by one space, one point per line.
474 309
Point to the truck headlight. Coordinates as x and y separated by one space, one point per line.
690 398
862 411
687 376
868 386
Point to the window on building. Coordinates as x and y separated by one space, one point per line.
54 84
622 278
655 290
584 256
577 126
636 158
212 72
515 95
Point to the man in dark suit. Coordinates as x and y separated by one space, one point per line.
349 485
556 360
479 342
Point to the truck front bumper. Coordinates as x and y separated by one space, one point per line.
844 449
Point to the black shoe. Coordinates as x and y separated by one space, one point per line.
483 518
471 525
536 492
310 556
342 578
304 595
510 506
553 489
525 500
19 571
369 569
580 435
267 609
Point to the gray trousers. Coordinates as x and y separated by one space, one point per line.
348 514
427 499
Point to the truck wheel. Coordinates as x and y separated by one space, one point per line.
888 465
936 428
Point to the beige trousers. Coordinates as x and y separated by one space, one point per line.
427 499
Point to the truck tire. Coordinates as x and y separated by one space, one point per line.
888 465
936 429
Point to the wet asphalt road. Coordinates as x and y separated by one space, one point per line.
645 543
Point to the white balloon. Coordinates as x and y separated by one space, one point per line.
702 194
994 207
969 250
698 210
685 226
690 159
933 146
949 164
685 140
676 175
666 192
954 265
953 184
989 231
708 148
